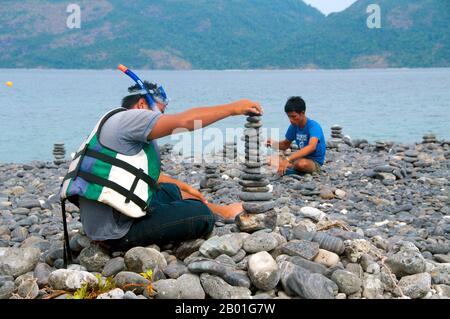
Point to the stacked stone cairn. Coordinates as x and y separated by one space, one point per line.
212 178
336 134
230 151
411 156
429 139
59 153
256 195
380 146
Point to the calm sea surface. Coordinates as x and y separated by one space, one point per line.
48 106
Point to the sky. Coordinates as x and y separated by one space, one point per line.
328 6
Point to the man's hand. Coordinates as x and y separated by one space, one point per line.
283 166
194 192
246 107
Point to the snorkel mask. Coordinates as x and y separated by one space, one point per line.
153 93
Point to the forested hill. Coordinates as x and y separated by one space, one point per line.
223 34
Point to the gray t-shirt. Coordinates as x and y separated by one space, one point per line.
125 132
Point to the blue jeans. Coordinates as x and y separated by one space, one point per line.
172 219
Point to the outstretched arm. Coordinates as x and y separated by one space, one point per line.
166 124
282 145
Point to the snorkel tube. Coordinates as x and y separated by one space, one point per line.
135 78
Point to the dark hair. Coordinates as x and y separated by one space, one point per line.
129 101
295 104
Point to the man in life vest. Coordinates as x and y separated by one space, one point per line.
115 179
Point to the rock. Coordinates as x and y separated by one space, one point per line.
42 273
187 248
258 207
248 197
355 249
217 288
175 269
113 267
28 289
260 241
263 271
340 193
308 265
313 213
254 222
19 234
19 280
443 290
140 259
36 242
302 248
356 269
130 295
237 278
216 246
190 287
298 281
70 280
166 289
210 266
7 289
93 258
406 261
112 294
347 282
442 258
416 286
325 241
239 256
128 280
17 261
229 274
18 190
326 194
226 260
372 287
28 203
327 258
440 274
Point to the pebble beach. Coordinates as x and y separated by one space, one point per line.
374 224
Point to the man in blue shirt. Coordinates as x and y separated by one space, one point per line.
309 137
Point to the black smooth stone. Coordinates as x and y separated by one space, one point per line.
260 183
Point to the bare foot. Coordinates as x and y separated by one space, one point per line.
227 212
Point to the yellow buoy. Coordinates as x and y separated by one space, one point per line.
9 83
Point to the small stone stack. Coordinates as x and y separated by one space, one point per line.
59 153
336 132
230 151
212 177
258 204
380 146
411 156
429 139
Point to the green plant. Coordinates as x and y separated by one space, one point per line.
147 275
93 291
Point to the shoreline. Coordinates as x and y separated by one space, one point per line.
387 204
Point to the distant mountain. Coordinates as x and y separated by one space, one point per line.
222 34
